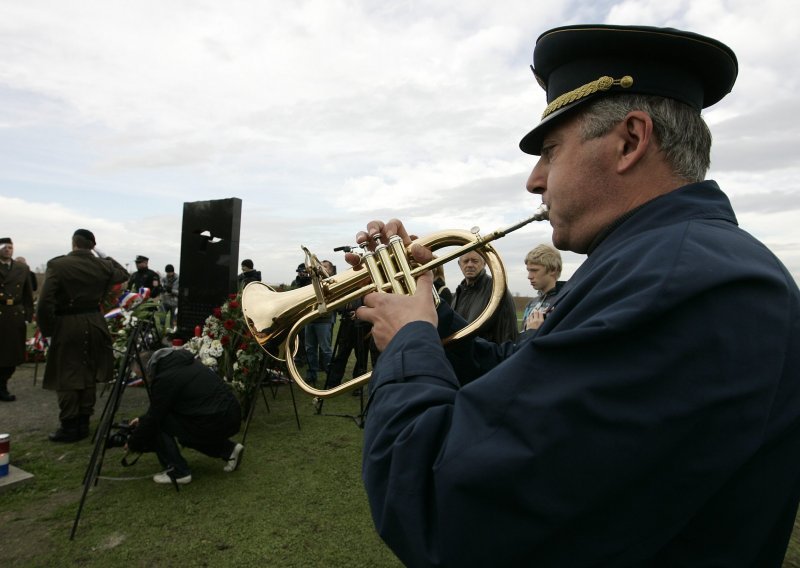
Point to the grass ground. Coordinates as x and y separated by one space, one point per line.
296 500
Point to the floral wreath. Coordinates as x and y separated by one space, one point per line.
222 343
225 344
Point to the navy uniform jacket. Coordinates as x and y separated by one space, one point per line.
652 421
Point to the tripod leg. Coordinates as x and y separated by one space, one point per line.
263 370
250 412
252 407
294 403
106 421
264 396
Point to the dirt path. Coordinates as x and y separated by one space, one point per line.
35 412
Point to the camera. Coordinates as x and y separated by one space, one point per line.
119 436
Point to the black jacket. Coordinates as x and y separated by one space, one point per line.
470 300
145 278
183 386
250 276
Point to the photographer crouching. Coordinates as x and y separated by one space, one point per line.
188 402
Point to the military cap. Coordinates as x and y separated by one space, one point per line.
86 234
247 262
141 258
6 241
576 64
301 267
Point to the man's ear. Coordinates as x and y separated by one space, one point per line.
636 137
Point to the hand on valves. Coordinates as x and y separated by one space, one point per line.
389 312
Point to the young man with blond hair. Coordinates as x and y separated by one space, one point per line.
544 268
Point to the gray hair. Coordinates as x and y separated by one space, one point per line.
680 131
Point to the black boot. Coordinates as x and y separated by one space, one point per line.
68 432
6 396
83 426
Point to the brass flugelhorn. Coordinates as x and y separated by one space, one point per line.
276 318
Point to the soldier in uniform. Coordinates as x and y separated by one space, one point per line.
16 308
145 278
69 313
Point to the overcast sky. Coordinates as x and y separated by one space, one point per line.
323 114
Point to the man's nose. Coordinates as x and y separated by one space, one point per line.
537 180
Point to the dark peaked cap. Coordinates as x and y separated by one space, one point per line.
575 64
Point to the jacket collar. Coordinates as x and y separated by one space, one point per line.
701 200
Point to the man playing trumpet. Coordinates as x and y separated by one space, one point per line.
643 425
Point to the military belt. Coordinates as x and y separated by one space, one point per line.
76 310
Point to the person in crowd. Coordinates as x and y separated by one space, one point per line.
318 347
543 264
646 423
301 279
68 312
248 274
330 270
315 338
144 277
34 283
170 287
473 295
353 335
329 267
189 403
16 310
440 285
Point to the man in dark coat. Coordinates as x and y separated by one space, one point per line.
190 402
68 312
473 295
248 274
644 424
145 278
16 309
170 291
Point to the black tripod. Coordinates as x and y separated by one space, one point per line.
140 339
268 378
350 337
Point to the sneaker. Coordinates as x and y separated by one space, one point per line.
236 457
164 478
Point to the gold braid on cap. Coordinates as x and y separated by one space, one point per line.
602 84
